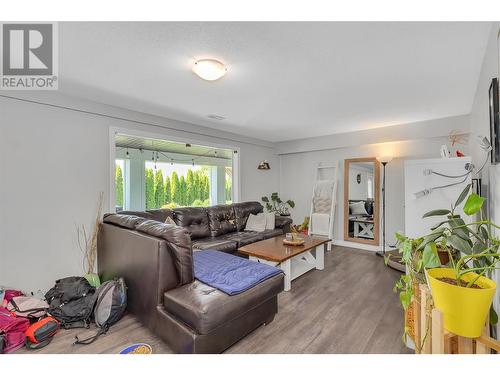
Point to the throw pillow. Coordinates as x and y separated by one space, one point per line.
358 208
270 220
256 223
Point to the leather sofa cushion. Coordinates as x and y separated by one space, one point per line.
243 210
270 233
161 214
179 242
221 219
194 219
143 214
158 215
243 238
124 221
204 308
215 243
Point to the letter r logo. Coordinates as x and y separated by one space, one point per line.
27 49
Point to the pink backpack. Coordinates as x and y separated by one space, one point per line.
8 295
12 329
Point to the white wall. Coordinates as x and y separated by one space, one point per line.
359 190
480 123
53 164
297 175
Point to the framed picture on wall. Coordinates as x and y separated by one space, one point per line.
494 121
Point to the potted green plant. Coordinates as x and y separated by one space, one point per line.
463 290
459 281
276 205
416 259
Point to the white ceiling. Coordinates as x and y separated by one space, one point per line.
285 80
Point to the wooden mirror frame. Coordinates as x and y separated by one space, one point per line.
376 197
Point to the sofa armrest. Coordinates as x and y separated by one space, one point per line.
283 223
145 262
179 242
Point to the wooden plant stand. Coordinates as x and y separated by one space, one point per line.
432 338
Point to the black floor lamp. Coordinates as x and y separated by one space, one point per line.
383 160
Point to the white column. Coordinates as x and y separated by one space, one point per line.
217 185
213 185
137 189
221 185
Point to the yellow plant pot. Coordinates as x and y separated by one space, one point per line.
464 309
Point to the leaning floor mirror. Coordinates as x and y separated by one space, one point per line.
361 200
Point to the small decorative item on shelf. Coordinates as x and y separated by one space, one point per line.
276 205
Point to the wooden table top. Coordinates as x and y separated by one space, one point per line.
274 250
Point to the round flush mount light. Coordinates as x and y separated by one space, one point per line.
209 69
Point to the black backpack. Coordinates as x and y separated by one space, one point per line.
111 302
71 301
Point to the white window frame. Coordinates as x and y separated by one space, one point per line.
114 131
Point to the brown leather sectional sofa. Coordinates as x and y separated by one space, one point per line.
156 261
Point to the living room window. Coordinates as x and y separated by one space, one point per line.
152 173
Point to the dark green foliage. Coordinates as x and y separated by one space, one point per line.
159 189
275 204
118 187
192 190
150 189
175 189
183 189
190 196
168 197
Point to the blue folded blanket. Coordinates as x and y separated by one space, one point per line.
229 273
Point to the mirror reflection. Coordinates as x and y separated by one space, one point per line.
361 203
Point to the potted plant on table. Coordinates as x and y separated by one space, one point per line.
462 289
276 205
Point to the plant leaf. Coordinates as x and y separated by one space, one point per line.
458 243
431 238
484 233
493 316
265 199
463 195
430 258
439 224
406 251
459 228
439 212
473 204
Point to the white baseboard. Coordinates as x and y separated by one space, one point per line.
356 245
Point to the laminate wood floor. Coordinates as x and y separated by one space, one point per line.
349 307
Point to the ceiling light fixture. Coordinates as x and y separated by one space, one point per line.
209 69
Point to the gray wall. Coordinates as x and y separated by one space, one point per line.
53 164
297 175
480 125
